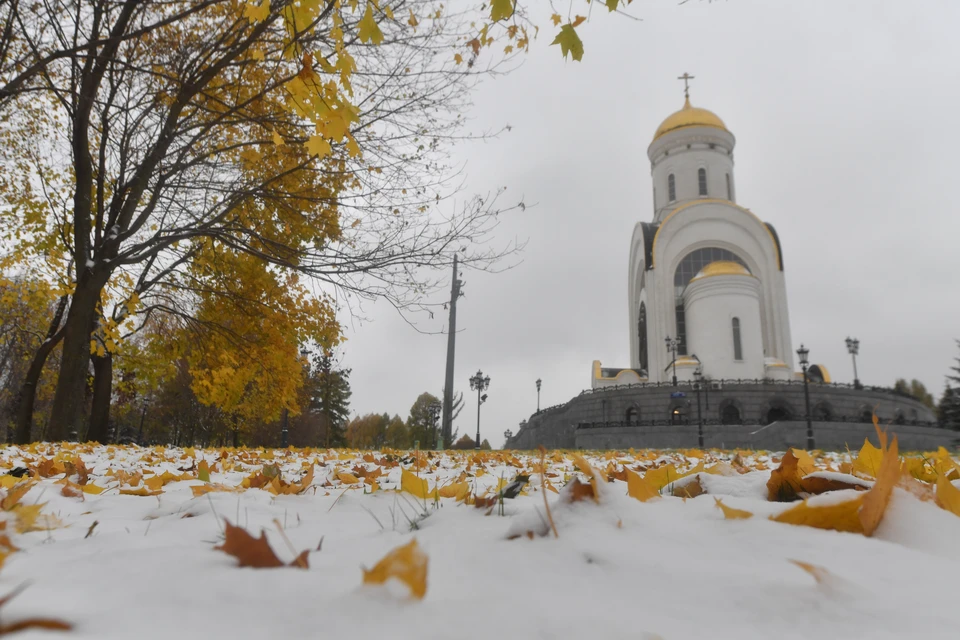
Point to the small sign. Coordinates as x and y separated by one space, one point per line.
678 394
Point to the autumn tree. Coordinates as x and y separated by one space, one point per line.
309 135
367 432
465 442
915 389
420 423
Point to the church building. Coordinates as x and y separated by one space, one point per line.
706 275
711 355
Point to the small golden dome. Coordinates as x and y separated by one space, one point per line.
722 268
689 117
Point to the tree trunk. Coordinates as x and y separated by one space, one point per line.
102 391
28 391
67 416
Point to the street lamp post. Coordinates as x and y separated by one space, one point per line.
143 414
538 394
698 376
853 348
435 408
479 383
672 345
803 352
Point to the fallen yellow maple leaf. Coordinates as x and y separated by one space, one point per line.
15 494
419 487
458 490
843 516
639 488
139 491
868 460
784 482
407 564
875 501
348 478
948 496
729 513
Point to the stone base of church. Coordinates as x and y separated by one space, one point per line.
736 414
829 436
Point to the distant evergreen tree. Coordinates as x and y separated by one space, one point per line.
948 411
329 389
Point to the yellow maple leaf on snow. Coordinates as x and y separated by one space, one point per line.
948 496
419 487
407 564
730 513
639 488
842 516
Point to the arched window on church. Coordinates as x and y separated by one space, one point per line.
702 180
737 348
671 188
642 334
690 266
729 190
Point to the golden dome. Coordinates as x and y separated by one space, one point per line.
722 268
689 117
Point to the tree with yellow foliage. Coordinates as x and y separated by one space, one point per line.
308 135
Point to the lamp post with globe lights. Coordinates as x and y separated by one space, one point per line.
804 353
853 348
672 345
435 408
479 383
538 394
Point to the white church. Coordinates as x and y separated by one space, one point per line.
707 291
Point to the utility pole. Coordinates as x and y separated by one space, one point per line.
447 430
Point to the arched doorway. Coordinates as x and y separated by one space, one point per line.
730 414
633 416
776 414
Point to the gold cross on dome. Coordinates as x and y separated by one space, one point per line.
686 77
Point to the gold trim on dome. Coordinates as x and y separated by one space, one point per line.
693 203
722 268
823 372
689 116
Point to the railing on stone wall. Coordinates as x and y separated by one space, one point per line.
718 382
715 422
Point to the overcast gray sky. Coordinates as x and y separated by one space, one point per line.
845 115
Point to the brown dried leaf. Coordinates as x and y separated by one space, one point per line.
253 552
818 485
575 491
690 489
49 624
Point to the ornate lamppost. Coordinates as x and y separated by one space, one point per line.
853 348
479 383
506 437
803 352
672 345
435 408
698 376
538 394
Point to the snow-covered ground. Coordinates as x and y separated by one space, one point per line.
116 565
